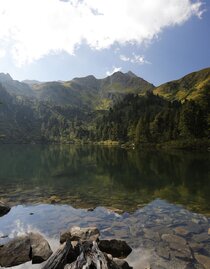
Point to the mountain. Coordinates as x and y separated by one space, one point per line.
194 86
31 82
15 87
76 93
90 92
122 108
115 87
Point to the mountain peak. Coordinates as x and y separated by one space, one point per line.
5 77
90 77
131 74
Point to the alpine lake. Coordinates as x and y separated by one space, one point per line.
158 201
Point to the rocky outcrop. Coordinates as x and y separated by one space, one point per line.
4 209
82 248
23 249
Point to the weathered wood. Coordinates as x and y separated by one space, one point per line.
59 259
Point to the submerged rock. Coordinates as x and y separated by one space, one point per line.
117 248
4 209
23 249
204 260
77 233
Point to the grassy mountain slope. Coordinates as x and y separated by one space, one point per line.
194 86
90 92
115 87
121 107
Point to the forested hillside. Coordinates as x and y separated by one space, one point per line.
122 108
150 119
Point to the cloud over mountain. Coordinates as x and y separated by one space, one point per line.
31 29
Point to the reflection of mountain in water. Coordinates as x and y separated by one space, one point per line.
160 233
91 176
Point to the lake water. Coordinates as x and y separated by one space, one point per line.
136 196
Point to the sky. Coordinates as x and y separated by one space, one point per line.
158 40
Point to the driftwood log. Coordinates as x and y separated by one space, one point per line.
82 249
90 257
59 259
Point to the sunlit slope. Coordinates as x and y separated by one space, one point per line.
194 86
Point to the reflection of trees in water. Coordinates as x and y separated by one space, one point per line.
99 172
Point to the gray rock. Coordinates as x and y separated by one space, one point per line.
40 248
15 252
23 249
4 209
117 248
76 233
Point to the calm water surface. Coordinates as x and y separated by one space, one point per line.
110 177
137 196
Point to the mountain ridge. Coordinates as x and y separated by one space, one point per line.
86 91
121 108
192 86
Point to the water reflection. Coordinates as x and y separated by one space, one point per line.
96 176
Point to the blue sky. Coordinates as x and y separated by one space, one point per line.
159 40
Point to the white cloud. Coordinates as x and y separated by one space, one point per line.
30 29
114 70
2 53
134 59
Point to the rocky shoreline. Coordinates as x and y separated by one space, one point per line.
80 248
162 235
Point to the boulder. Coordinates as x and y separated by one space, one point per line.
80 234
4 209
16 252
117 248
40 248
23 249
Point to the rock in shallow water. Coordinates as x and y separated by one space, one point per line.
41 250
77 233
15 252
204 260
4 209
117 248
23 249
